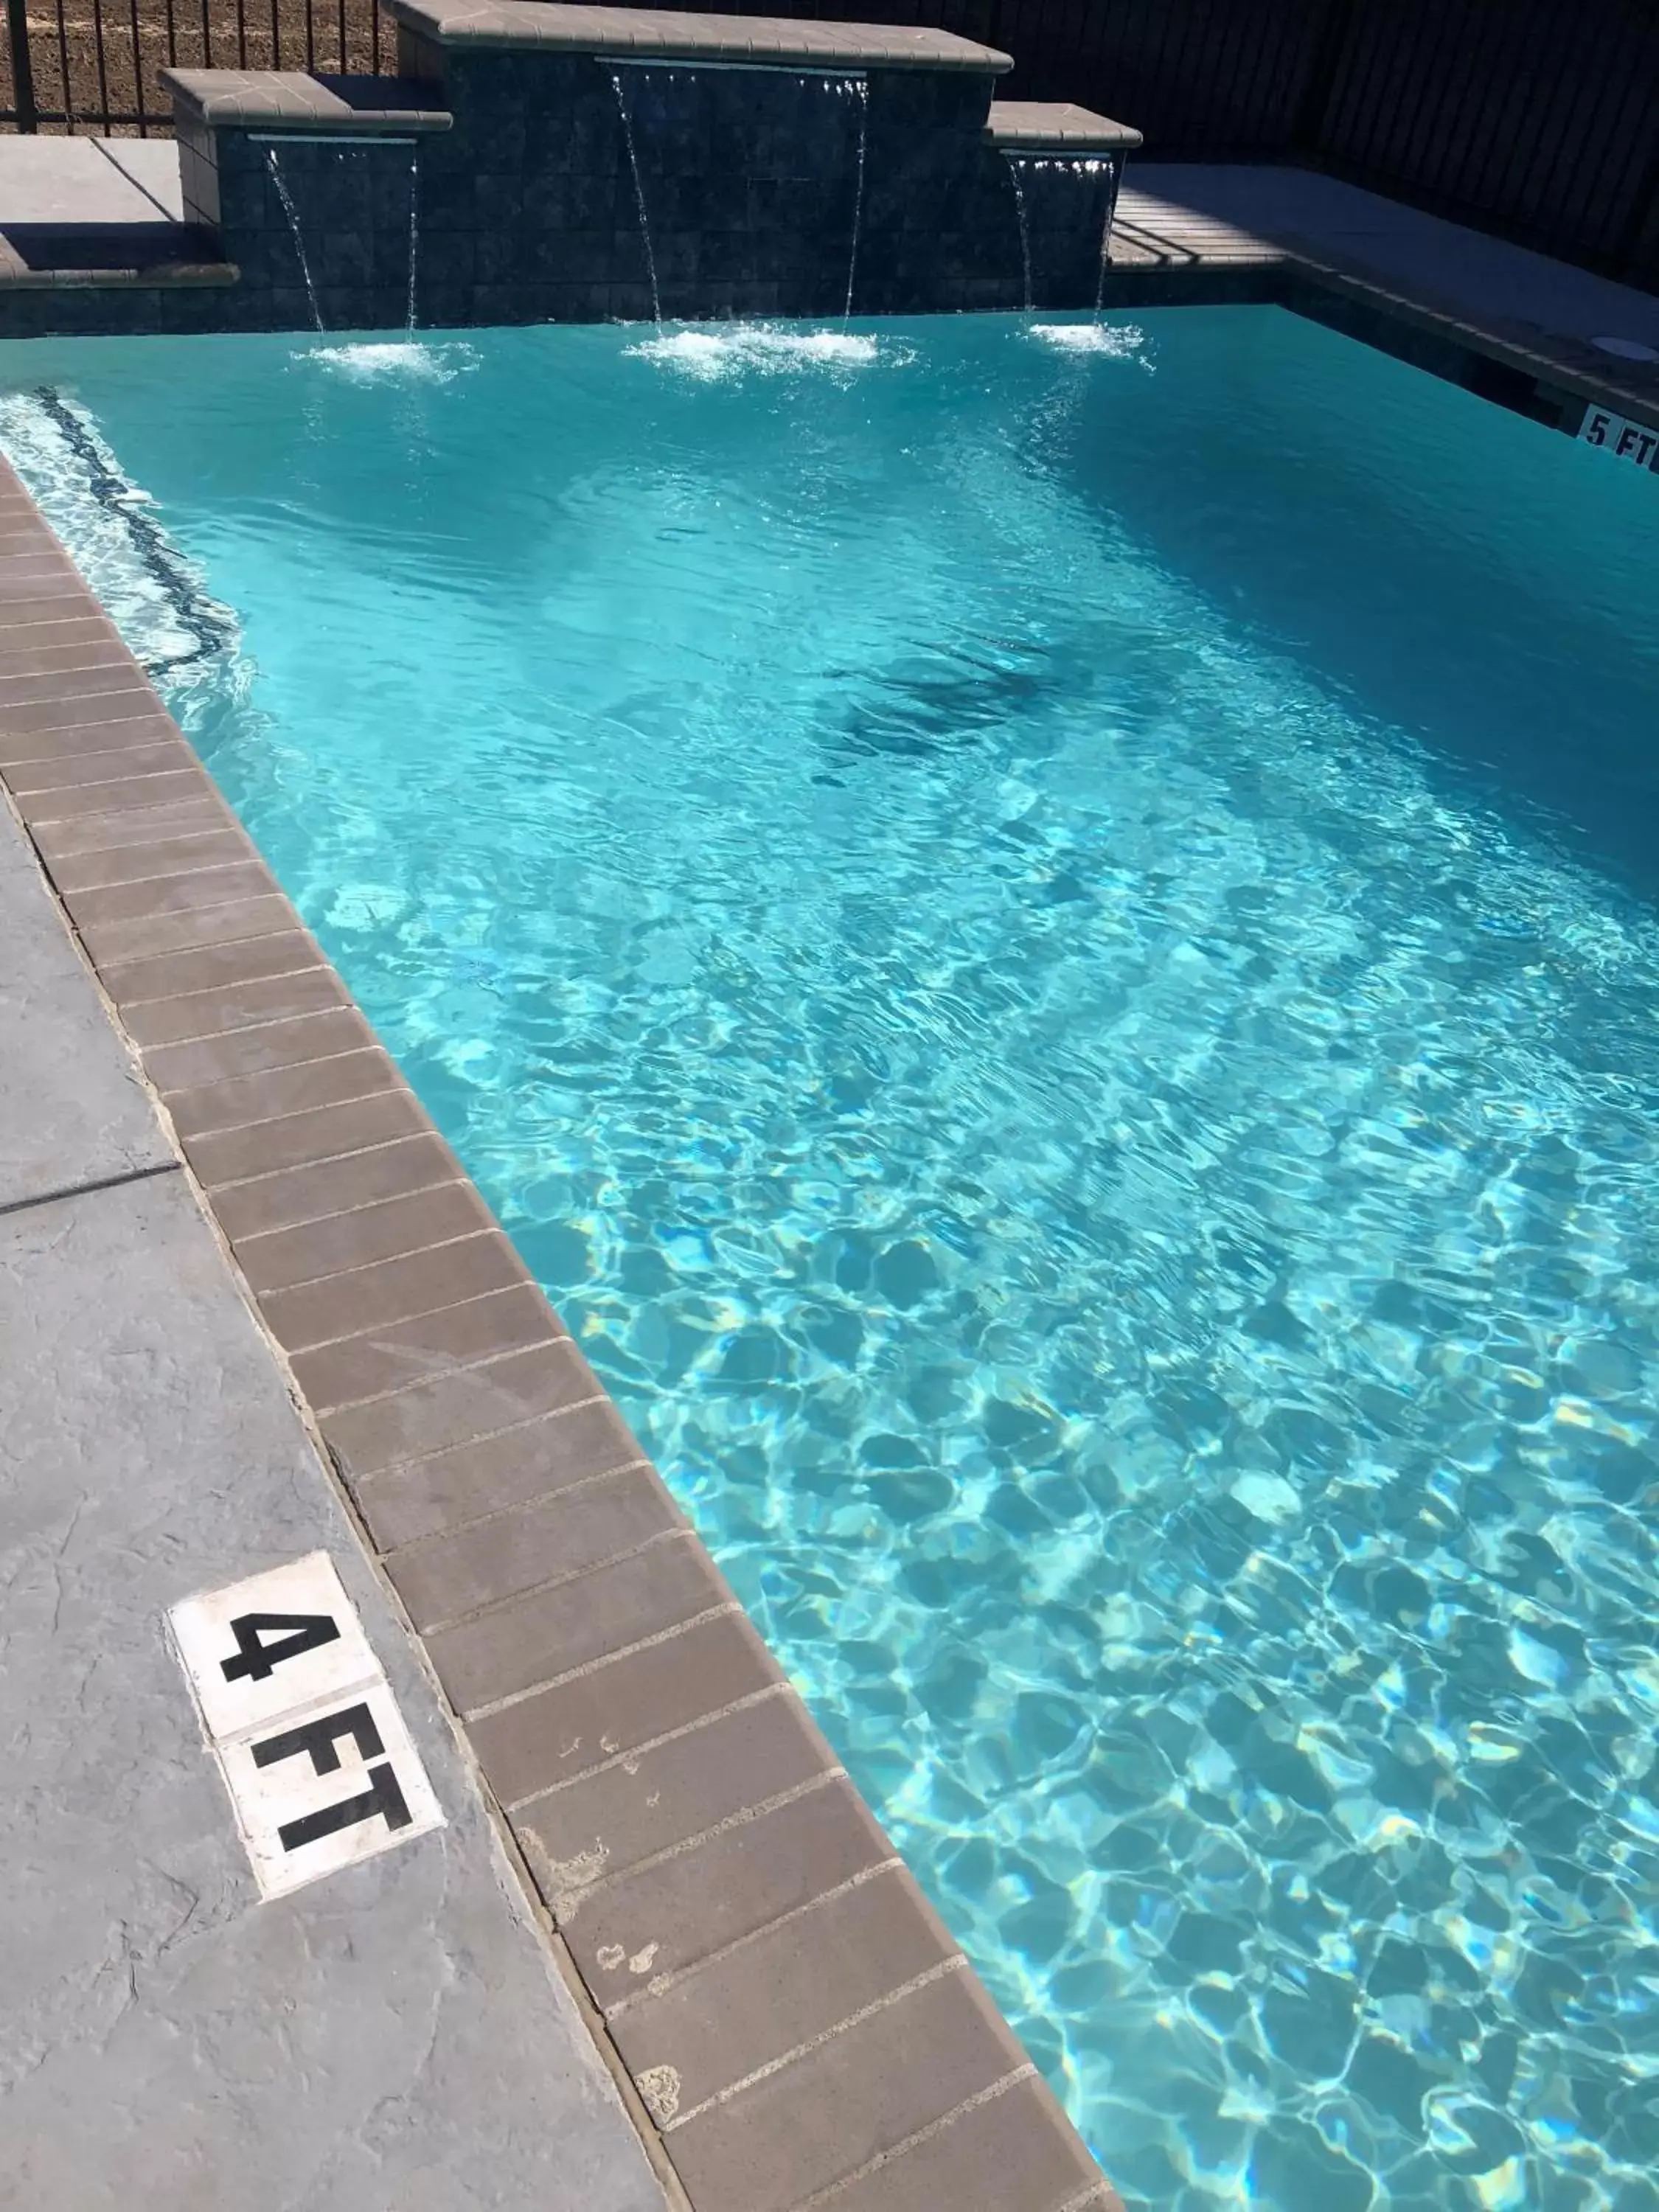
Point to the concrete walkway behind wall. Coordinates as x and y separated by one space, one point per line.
395 2038
1177 217
89 180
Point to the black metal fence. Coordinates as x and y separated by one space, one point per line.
95 65
1538 119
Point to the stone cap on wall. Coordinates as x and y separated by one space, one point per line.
1056 126
291 99
643 34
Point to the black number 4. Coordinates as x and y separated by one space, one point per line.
294 1633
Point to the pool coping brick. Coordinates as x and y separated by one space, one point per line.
795 2019
1057 127
298 100
671 35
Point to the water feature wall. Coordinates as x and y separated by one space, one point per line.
580 164
1064 205
311 188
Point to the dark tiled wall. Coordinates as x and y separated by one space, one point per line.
351 205
529 206
128 310
750 182
1068 204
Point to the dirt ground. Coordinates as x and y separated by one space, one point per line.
90 57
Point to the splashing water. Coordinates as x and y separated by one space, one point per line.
1118 340
374 361
713 355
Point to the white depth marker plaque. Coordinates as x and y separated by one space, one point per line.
320 1769
1628 442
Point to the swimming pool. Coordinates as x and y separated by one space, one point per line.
1049 945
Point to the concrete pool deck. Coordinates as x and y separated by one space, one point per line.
251 1310
396 2037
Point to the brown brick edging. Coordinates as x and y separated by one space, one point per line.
799 2024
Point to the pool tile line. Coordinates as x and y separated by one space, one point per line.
426 1362
35 729
773 1692
490 1706
277 1204
338 1379
403 1566
130 866
846 1895
564 1490
349 1238
230 1010
385 1482
986 2097
404 1287
618 1706
304 958
64 838
409 1456
119 944
612 1876
952 1966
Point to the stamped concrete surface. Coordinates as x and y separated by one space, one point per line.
395 2036
72 1109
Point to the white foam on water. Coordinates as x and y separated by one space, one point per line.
1120 341
158 599
371 362
740 349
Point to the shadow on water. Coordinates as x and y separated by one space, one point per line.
930 709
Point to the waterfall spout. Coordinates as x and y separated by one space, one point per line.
286 198
1105 237
861 93
1024 228
639 196
414 231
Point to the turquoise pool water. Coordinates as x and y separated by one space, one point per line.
1052 954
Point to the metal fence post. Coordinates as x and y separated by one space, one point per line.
22 70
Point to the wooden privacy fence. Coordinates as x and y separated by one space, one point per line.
1538 119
